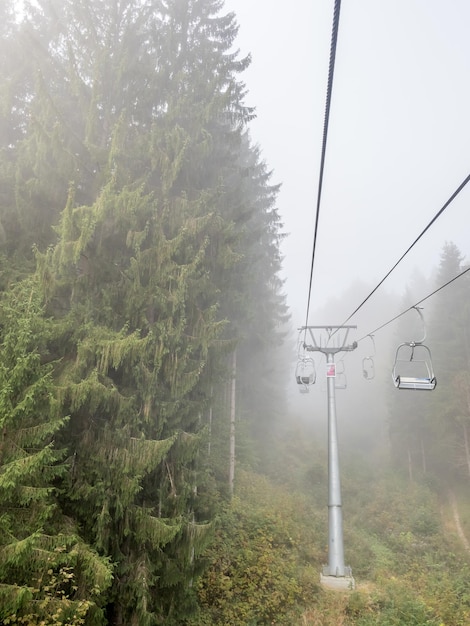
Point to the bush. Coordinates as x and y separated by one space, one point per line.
261 563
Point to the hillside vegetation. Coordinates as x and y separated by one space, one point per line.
408 560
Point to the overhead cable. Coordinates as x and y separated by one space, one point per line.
331 70
438 214
414 306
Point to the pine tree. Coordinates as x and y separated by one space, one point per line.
13 89
134 344
132 286
44 567
449 336
262 317
431 430
157 237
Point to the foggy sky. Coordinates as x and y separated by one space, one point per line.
399 137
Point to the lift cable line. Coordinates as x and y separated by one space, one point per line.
415 306
331 70
438 214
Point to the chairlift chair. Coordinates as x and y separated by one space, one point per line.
341 381
305 373
413 367
368 364
368 368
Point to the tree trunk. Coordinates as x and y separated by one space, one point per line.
423 456
410 466
231 474
467 448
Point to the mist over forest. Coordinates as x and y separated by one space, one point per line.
158 464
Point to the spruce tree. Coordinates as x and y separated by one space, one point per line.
449 336
14 82
132 286
157 240
45 568
430 431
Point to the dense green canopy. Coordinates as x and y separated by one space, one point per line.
140 247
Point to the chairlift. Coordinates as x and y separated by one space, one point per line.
368 364
341 381
413 367
305 373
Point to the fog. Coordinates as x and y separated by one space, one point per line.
398 143
398 147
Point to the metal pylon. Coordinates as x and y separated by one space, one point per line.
330 340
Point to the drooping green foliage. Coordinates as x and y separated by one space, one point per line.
129 173
44 566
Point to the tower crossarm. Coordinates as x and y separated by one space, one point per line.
328 339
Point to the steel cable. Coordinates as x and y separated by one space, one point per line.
438 214
331 70
414 306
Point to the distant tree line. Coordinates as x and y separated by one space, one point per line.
430 431
139 249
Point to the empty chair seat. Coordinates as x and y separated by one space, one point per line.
409 382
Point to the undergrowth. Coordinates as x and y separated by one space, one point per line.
271 542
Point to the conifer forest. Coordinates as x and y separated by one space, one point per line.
152 469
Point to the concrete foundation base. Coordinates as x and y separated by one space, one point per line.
338 583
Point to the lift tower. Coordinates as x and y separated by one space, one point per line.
329 340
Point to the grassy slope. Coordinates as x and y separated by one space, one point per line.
408 562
